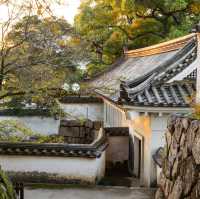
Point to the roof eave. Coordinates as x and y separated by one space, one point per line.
158 109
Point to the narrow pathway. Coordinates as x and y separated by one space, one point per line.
89 193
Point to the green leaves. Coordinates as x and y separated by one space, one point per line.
6 188
108 25
40 59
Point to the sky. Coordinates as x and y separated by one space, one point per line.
68 10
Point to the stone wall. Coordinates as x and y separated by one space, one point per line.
77 132
180 176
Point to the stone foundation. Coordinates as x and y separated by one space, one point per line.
180 176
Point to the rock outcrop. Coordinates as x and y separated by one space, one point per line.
180 176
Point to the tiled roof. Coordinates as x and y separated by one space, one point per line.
153 89
144 67
176 94
167 70
59 150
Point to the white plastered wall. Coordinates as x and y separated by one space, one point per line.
43 125
139 126
158 126
114 116
92 111
83 169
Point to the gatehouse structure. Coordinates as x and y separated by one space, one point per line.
140 92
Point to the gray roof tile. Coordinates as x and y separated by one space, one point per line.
169 94
143 80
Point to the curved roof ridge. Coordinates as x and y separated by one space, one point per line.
141 86
133 89
163 47
182 53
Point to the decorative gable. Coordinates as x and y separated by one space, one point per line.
171 84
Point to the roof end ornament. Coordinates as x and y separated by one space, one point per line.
196 28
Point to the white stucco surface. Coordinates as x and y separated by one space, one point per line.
92 111
158 126
43 125
113 116
84 169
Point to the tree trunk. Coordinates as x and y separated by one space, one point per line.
2 73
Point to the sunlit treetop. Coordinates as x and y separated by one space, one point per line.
110 25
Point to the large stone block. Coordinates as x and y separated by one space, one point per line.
175 168
159 194
62 131
70 123
171 124
189 174
186 123
180 177
168 138
97 125
177 189
75 131
168 188
69 131
196 149
89 124
195 194
82 132
179 129
162 180
191 133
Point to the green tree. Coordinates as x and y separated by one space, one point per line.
37 59
109 25
36 54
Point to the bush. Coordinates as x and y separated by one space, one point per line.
6 188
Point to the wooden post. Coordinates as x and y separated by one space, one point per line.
19 189
22 191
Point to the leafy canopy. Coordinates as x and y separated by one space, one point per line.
37 59
107 26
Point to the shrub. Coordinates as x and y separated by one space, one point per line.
6 188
